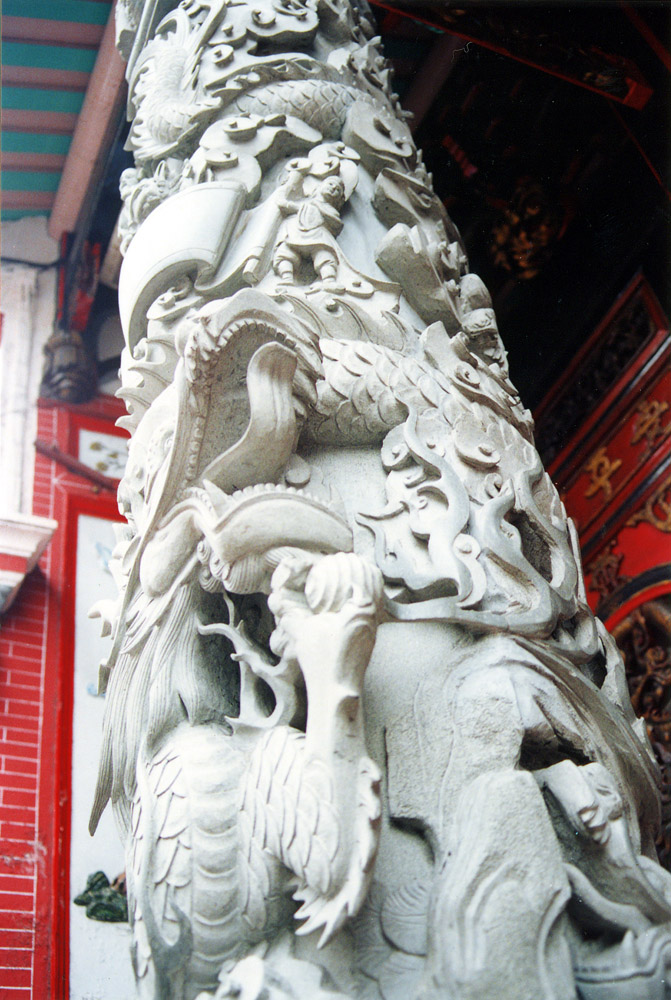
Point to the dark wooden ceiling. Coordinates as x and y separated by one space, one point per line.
546 128
549 142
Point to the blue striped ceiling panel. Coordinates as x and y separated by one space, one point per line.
49 48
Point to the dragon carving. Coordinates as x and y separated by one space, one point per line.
363 738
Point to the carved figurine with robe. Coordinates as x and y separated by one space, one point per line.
310 227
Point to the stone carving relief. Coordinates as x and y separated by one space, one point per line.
364 738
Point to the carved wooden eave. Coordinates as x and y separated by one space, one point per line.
23 539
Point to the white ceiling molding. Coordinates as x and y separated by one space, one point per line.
23 539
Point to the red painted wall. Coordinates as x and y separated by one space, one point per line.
35 720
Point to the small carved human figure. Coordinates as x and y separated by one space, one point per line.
313 221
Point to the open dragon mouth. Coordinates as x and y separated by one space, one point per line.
253 523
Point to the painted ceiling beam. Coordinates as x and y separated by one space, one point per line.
35 200
430 78
20 120
36 99
464 23
79 11
31 76
61 57
41 30
28 180
29 142
33 161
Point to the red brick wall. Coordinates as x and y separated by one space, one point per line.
22 646
35 715
22 663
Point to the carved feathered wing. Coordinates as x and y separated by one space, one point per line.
288 811
145 374
170 105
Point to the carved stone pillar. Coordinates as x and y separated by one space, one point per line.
360 718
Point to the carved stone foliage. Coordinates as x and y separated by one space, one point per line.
353 675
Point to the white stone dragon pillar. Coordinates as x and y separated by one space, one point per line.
364 738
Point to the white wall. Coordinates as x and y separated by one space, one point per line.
100 966
28 305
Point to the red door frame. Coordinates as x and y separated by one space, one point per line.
73 496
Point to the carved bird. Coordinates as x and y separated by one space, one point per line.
170 105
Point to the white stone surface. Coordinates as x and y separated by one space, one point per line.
355 694
28 311
99 952
25 536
